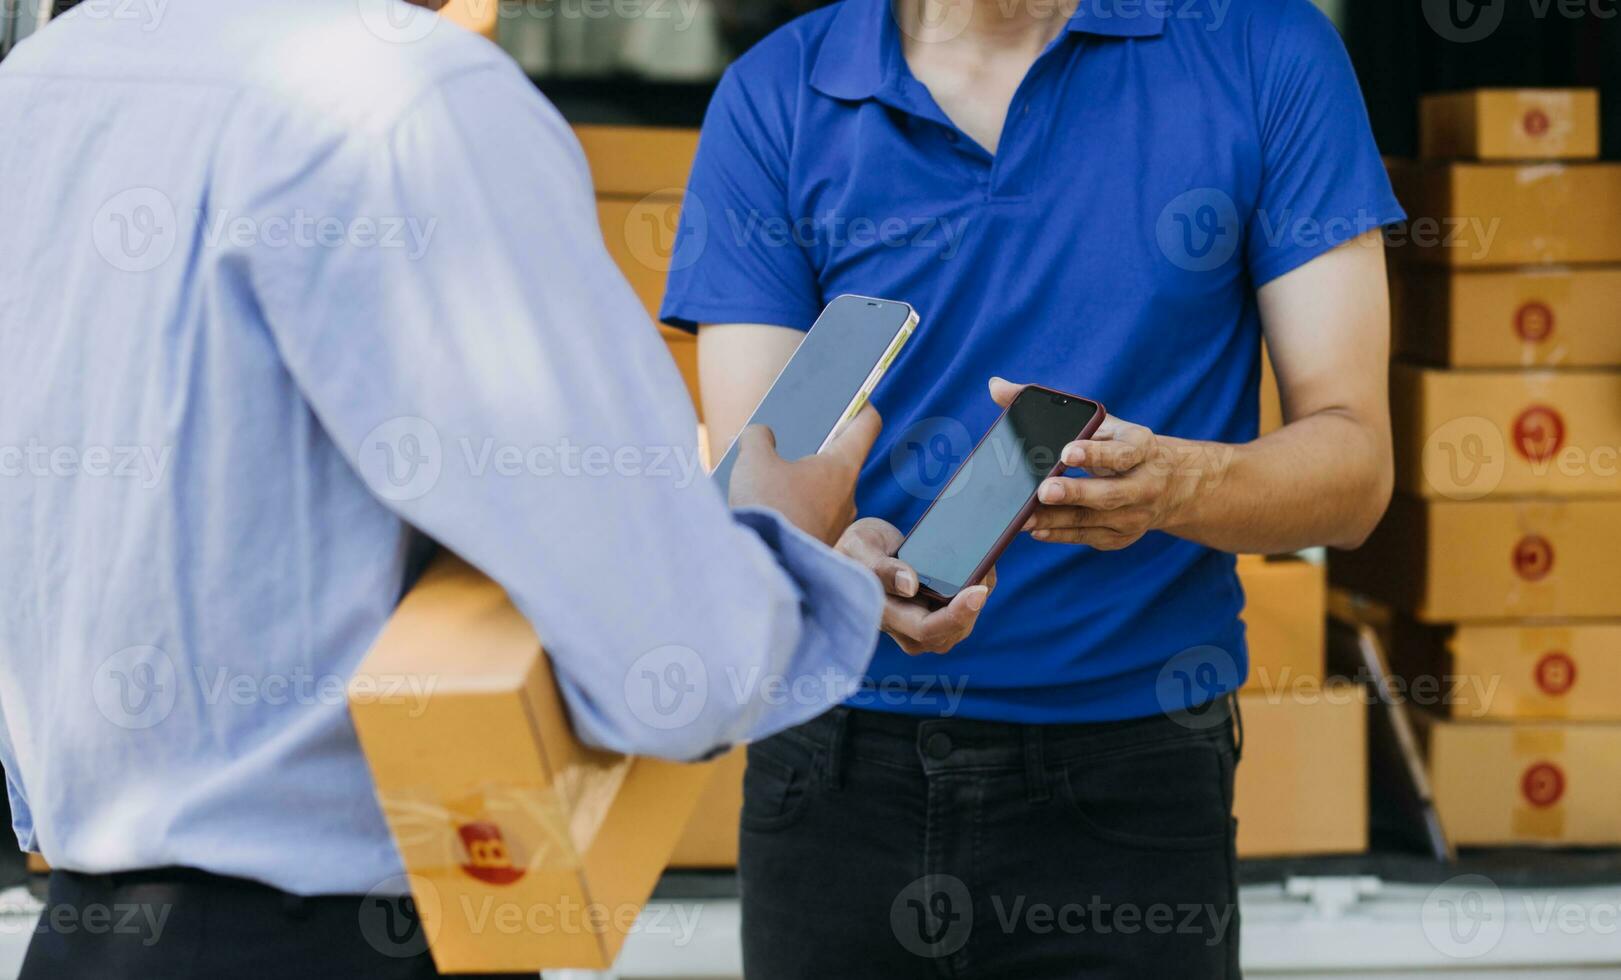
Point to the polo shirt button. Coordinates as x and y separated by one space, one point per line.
938 745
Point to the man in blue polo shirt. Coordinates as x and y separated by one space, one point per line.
1120 199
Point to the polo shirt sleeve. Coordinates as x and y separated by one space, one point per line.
1323 182
737 258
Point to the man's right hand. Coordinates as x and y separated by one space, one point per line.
816 494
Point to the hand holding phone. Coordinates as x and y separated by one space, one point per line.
815 494
917 627
993 493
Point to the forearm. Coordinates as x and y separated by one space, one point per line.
1324 479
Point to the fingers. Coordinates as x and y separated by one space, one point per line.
1098 492
896 576
854 441
1003 391
918 630
1103 458
1125 519
1100 538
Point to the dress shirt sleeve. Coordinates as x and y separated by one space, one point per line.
495 381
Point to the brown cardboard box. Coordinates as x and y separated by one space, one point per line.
1448 561
635 161
1535 317
523 848
1285 619
1510 124
1271 400
1504 671
711 837
1303 785
1464 435
1469 215
1542 783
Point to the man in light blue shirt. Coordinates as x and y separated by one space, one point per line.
288 288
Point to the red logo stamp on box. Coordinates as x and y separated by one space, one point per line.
1543 784
488 858
1536 122
1533 557
1539 432
1533 321
1556 673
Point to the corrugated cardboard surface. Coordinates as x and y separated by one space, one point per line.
1553 316
1448 561
1531 783
1464 435
524 848
1302 787
1468 215
1510 124
1555 670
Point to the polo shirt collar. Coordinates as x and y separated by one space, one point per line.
860 55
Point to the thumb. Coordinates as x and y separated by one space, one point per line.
1004 391
854 443
757 438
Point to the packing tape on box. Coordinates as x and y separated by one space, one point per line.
498 831
1539 812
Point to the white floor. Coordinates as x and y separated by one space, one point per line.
1307 928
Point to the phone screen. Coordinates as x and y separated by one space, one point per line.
852 341
992 486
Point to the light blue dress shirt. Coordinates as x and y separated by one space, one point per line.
284 283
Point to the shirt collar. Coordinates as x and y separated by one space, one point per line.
860 53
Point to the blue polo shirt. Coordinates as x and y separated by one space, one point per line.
1162 161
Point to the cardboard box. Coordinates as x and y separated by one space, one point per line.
1539 783
635 161
710 840
1464 435
1472 215
523 848
1285 618
1505 671
1303 785
1535 317
1449 561
1510 124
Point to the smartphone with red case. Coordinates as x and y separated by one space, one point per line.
965 530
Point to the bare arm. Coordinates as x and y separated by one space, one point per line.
1323 478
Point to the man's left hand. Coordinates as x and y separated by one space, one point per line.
1132 487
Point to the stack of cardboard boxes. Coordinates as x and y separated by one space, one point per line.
1501 553
1302 788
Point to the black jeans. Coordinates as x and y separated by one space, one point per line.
882 846
183 924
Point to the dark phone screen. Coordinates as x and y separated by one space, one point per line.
827 370
993 485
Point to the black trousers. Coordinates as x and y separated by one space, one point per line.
183 924
880 846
